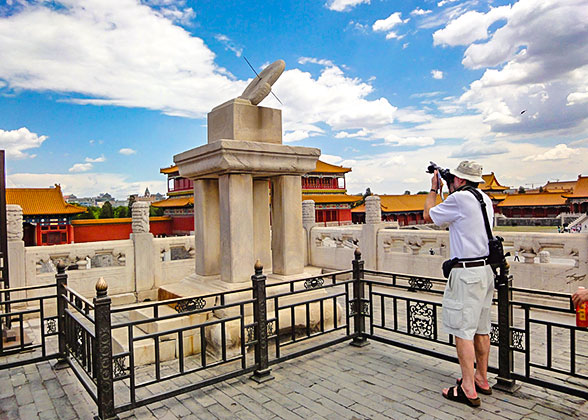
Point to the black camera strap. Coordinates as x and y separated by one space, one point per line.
480 199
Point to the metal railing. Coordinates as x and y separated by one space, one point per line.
243 331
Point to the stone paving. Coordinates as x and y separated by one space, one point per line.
341 382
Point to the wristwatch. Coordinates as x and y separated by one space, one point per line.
432 190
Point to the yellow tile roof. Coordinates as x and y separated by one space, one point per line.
404 202
491 183
169 170
533 199
331 198
40 201
323 167
565 186
175 202
580 189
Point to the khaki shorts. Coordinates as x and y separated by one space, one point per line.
467 301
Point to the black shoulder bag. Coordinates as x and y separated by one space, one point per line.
496 256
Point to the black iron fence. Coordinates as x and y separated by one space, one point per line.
134 355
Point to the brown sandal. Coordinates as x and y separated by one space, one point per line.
485 391
461 397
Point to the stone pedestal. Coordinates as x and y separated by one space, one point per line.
236 166
308 222
261 223
236 226
238 119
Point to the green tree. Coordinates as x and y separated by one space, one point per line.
522 190
407 192
155 211
132 199
86 215
106 211
121 212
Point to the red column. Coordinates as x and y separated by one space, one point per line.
38 234
70 234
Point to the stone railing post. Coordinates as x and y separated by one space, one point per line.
357 303
16 249
143 250
61 282
505 353
262 372
308 222
103 352
369 233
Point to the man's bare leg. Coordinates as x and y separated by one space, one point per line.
482 349
467 356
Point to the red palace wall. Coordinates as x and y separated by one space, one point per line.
114 229
182 224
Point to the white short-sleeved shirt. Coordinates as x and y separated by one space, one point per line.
467 233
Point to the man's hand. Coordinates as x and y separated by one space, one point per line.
580 296
435 181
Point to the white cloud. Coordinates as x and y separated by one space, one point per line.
344 5
526 66
112 52
388 24
469 27
478 148
96 160
127 151
16 142
229 44
559 152
437 74
332 159
87 184
321 62
444 2
577 98
296 135
419 12
81 167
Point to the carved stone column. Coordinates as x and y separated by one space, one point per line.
369 233
287 231
373 210
143 250
16 249
308 222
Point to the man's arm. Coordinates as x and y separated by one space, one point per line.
431 197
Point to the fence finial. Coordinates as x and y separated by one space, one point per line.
101 287
61 267
258 267
357 253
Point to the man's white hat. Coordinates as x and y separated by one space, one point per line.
469 170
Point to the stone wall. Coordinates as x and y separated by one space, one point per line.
548 261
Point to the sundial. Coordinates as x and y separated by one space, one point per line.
261 86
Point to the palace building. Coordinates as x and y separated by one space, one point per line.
578 199
326 186
46 215
180 202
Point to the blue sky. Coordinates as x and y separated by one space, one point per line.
99 95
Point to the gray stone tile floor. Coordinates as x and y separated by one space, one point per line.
341 382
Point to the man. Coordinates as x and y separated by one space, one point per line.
470 287
580 297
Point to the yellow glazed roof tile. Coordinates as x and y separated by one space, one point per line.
39 201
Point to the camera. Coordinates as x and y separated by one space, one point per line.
444 173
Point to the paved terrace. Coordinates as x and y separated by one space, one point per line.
341 382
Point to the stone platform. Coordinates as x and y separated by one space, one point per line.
342 382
